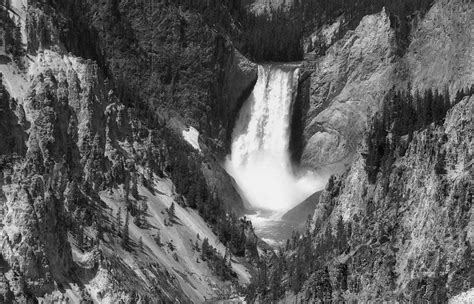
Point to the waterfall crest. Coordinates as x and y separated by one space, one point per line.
260 158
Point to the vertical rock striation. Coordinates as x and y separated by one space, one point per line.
349 82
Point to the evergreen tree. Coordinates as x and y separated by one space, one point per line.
140 244
428 106
100 231
205 249
227 255
134 189
125 233
277 290
157 238
80 237
341 235
172 212
118 218
171 245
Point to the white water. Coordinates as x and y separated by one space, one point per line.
260 160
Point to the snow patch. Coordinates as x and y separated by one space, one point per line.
463 298
193 274
192 137
14 80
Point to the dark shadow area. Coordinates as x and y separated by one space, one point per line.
298 117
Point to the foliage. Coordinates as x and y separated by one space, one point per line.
305 261
184 168
401 115
11 34
277 34
172 212
273 37
125 241
216 262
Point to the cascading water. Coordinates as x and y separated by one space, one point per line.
260 159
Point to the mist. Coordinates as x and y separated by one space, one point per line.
260 159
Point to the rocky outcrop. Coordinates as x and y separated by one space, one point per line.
266 6
406 237
240 76
349 82
441 50
34 234
345 86
415 224
12 117
66 138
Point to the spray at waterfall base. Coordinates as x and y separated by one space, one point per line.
260 159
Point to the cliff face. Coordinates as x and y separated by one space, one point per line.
168 64
397 227
442 48
408 236
64 135
348 83
80 160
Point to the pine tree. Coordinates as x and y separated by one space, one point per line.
227 256
172 211
341 234
100 232
125 232
157 238
140 244
136 219
205 249
80 237
171 245
275 284
134 190
119 221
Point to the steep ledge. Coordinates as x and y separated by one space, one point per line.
346 85
299 113
77 162
79 155
349 82
167 63
405 237
409 236
239 77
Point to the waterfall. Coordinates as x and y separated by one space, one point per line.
260 158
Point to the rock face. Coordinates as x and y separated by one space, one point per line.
404 234
266 6
409 235
345 86
240 78
349 82
60 138
76 161
442 55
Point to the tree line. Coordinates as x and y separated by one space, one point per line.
278 34
402 114
303 261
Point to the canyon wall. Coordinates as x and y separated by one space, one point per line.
348 83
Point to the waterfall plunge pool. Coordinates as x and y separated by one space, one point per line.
260 161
